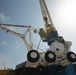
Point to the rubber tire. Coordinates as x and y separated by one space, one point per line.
33 59
48 59
70 58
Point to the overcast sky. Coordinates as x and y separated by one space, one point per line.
28 12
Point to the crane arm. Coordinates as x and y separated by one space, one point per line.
22 36
46 16
10 31
49 31
14 25
26 44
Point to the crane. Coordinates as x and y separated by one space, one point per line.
59 49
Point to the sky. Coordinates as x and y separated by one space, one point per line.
28 12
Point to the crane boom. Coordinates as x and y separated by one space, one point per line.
22 36
14 25
46 16
10 31
49 28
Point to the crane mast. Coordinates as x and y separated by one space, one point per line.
48 24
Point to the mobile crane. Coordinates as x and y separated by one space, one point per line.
59 49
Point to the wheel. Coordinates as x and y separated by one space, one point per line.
50 56
71 57
33 56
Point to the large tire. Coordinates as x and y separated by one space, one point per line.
33 56
50 56
71 56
